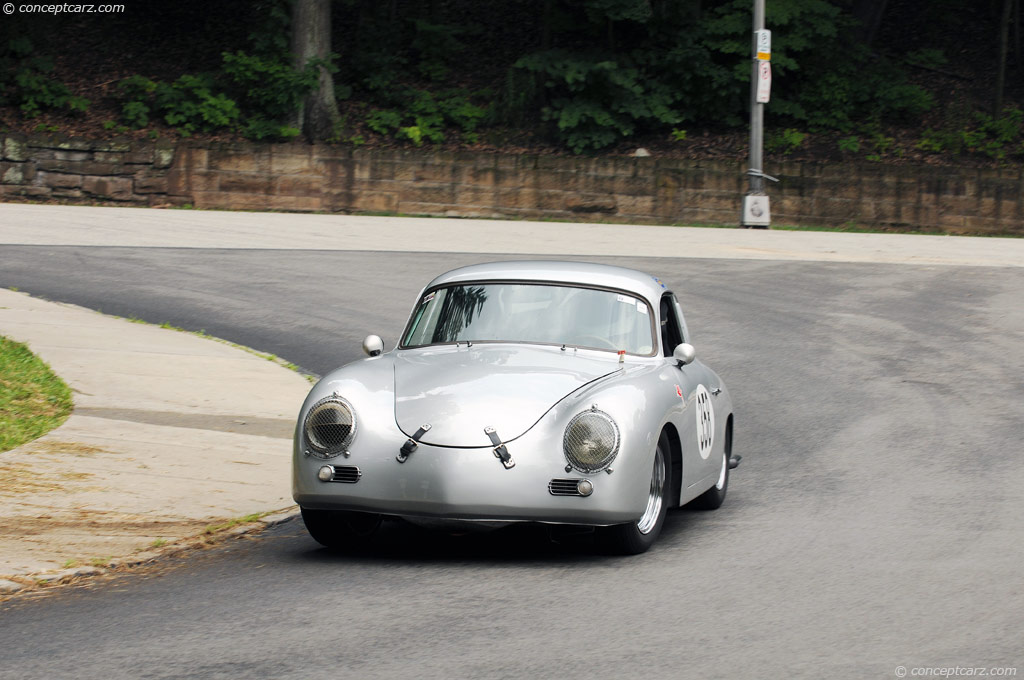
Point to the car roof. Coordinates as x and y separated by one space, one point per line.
553 271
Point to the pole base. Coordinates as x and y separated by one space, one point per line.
756 211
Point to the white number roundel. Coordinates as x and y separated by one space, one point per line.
705 421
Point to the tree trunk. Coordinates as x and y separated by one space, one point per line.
311 39
1016 33
1004 39
545 25
869 13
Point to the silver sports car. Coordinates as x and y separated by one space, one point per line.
554 392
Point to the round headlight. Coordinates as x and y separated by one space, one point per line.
329 427
591 441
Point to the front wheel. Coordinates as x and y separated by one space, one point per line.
637 537
338 529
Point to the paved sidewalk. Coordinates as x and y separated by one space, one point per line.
150 228
171 432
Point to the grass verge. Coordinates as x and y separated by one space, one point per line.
33 400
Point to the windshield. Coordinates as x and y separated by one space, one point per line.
532 313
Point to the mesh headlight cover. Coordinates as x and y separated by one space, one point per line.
591 441
330 426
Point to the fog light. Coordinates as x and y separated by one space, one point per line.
326 473
585 487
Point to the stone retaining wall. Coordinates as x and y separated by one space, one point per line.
301 177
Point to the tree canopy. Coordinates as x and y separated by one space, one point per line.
870 77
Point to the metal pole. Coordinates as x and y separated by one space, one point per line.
756 109
756 209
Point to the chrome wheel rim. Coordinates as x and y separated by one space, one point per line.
725 470
654 497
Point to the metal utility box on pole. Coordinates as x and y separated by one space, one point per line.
756 210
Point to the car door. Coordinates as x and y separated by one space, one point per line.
695 422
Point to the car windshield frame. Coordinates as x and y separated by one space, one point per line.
430 293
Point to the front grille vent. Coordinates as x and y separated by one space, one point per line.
564 487
346 474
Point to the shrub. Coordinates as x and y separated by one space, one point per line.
593 103
424 115
25 82
252 94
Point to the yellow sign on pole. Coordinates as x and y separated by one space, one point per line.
764 45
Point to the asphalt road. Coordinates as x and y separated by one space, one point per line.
877 519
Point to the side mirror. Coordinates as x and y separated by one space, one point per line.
373 345
684 353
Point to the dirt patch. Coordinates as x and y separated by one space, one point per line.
82 535
57 447
17 479
97 523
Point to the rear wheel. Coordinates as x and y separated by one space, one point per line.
637 537
339 529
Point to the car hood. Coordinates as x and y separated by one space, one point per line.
460 391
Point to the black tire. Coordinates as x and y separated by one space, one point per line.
339 530
637 537
713 498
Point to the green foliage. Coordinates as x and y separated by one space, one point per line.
594 103
271 36
588 74
685 64
135 113
270 86
250 93
26 81
268 90
882 145
33 400
384 122
785 142
992 137
928 56
136 92
437 45
425 116
841 97
190 104
849 144
821 78
599 11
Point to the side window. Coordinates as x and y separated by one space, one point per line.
681 318
671 332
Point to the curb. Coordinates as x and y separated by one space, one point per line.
36 582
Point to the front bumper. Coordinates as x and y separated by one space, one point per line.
472 484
